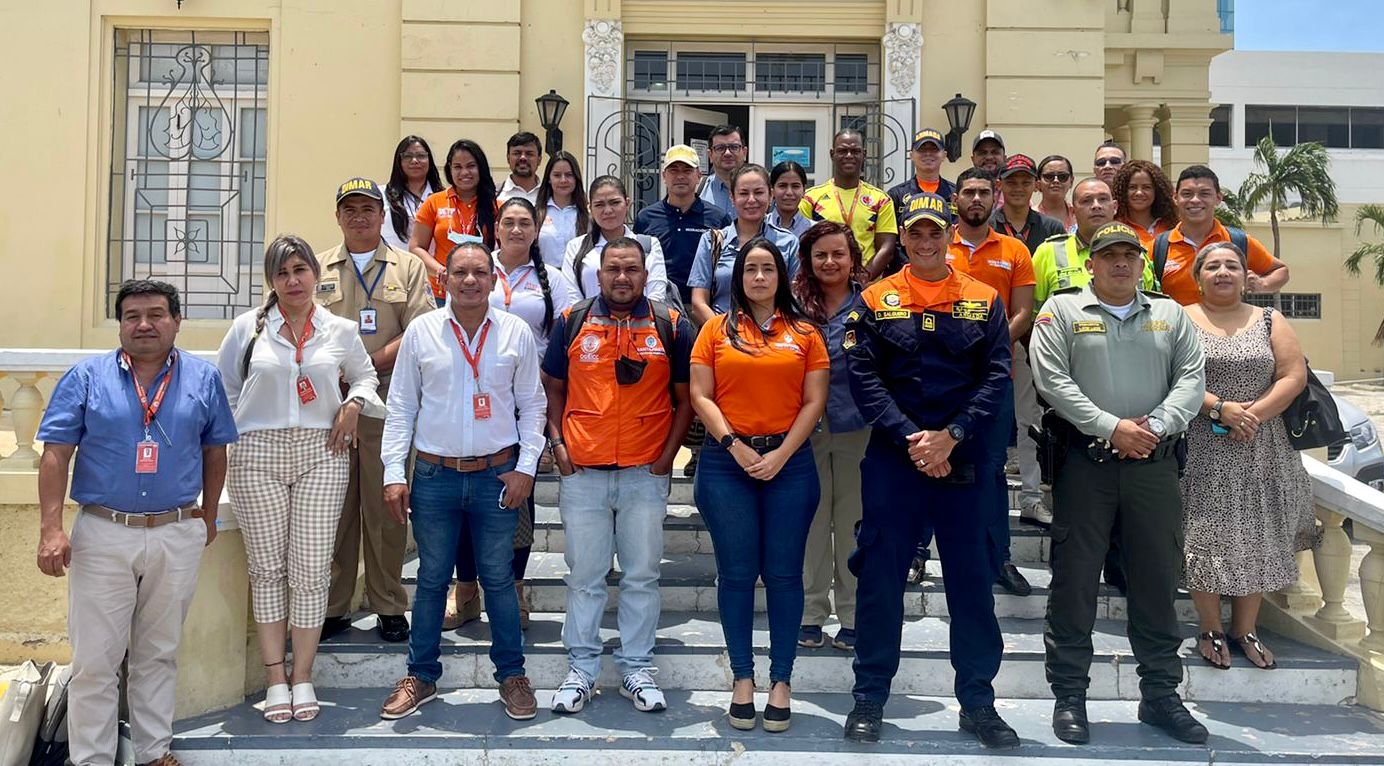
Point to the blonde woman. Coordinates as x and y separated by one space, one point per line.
282 364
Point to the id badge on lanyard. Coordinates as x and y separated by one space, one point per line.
147 450
480 400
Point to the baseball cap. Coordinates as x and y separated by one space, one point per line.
362 186
681 153
987 135
926 207
1019 163
928 136
1114 234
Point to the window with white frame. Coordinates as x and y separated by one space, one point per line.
731 72
188 165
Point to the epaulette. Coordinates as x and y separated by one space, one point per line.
1067 290
1057 237
1156 294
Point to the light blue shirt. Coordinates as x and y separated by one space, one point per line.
716 277
797 227
715 192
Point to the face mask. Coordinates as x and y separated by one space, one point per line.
629 371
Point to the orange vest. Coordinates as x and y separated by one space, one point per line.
606 423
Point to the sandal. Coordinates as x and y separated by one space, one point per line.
278 704
1217 639
1243 643
305 707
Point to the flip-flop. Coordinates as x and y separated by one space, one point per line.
1249 639
278 704
305 707
1217 640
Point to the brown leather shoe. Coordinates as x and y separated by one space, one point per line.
463 605
523 605
166 760
517 694
409 695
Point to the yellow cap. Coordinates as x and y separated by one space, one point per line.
681 153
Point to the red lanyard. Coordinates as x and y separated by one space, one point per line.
298 343
150 408
474 361
504 283
466 225
847 216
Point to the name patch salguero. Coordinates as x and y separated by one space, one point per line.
1156 325
975 310
1088 325
892 313
892 307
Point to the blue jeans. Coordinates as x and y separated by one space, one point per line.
440 499
759 529
603 513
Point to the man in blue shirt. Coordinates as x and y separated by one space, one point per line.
728 153
149 426
680 219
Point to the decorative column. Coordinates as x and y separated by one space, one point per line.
1372 586
605 56
1139 118
26 410
1184 131
1333 572
902 88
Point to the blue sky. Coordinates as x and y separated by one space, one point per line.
1314 25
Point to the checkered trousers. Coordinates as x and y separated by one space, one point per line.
287 491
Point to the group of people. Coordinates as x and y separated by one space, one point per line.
854 365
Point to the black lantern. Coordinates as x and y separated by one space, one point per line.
959 112
551 107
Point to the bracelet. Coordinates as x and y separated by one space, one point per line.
557 442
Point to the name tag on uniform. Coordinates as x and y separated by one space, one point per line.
1156 325
147 457
975 310
326 287
368 325
1088 325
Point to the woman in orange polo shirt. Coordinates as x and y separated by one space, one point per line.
463 212
759 383
1144 200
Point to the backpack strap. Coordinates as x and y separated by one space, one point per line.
663 322
1160 257
576 317
1239 238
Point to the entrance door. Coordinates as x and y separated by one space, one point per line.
798 133
693 126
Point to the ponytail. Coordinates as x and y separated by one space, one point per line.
541 270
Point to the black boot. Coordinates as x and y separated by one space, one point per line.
865 721
989 728
1169 714
1012 580
1069 720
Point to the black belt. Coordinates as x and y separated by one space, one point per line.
1101 451
764 443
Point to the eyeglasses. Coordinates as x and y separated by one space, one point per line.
726 148
1103 161
1057 178
414 157
849 151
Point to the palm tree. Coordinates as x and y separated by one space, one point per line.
1303 170
1228 212
1373 214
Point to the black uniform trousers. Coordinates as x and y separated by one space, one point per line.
899 504
1139 501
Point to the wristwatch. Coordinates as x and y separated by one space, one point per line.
1215 412
728 441
1157 427
957 432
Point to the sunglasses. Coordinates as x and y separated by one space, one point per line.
1103 161
1057 178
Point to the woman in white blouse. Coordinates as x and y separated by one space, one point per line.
413 179
610 204
283 364
561 207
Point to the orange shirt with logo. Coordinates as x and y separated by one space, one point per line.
760 389
1178 281
1001 262
444 213
1147 236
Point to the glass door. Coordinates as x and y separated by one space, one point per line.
798 133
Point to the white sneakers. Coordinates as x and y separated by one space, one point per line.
1035 511
638 687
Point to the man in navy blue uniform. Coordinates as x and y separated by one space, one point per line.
929 356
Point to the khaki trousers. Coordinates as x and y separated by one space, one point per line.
128 589
366 524
831 538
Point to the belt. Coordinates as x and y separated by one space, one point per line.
189 511
469 464
1100 450
764 443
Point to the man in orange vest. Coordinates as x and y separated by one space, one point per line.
616 374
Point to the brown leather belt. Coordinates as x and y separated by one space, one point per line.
469 464
189 511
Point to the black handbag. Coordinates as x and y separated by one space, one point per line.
1312 419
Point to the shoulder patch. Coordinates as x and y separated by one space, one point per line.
1156 294
854 316
891 299
1044 318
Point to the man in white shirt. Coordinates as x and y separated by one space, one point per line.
522 152
462 373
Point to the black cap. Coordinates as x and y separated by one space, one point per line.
362 186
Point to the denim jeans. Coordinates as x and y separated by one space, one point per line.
759 529
466 559
603 513
440 499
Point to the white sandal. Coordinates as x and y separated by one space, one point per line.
305 707
278 704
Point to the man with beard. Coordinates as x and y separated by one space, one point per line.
522 152
869 213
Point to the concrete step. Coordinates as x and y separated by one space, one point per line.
691 655
469 726
688 584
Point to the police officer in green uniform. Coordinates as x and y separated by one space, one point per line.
1124 372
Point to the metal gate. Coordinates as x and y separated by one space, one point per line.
887 128
625 138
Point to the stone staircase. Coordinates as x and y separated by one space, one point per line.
1297 713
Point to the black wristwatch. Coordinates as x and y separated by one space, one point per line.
1215 412
728 441
957 432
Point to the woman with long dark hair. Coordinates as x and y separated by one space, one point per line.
1144 200
1055 179
759 383
787 182
831 279
532 290
413 179
464 212
610 206
562 207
